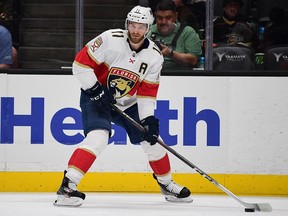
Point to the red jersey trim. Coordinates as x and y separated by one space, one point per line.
84 59
147 89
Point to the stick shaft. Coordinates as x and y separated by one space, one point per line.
190 164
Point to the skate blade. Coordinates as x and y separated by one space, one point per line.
68 201
171 198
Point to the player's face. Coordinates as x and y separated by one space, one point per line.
136 31
232 9
165 21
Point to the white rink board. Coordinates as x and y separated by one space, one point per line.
252 113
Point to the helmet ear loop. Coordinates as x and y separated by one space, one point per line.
126 24
148 30
126 27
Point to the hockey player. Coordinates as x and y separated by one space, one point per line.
121 67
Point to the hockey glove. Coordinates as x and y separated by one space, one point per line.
151 124
98 94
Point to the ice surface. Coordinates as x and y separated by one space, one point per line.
135 204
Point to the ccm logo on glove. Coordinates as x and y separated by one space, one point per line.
151 125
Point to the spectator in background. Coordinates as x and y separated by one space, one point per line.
233 28
276 32
198 8
185 15
6 20
153 4
6 14
179 44
193 11
5 48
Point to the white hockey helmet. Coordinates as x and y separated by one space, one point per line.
140 14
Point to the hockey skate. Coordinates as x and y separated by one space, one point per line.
174 192
68 195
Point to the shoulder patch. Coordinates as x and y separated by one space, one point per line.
97 43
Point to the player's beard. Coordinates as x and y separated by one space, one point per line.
135 38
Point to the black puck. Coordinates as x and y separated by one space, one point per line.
249 210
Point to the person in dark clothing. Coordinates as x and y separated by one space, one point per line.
185 14
277 31
233 28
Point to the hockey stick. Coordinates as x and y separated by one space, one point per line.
250 207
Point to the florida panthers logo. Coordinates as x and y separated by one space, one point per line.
121 82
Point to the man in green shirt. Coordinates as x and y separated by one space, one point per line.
180 44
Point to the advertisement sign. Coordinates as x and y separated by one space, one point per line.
224 124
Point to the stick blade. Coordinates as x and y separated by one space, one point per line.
264 207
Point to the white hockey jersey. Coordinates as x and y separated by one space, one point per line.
131 76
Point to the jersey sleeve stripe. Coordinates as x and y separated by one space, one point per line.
147 89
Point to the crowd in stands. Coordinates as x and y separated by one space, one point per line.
276 31
231 29
179 42
178 29
9 44
5 48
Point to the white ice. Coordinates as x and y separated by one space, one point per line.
135 204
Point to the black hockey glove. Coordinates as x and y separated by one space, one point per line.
151 124
98 94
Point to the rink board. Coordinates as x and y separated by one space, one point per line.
143 182
232 127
